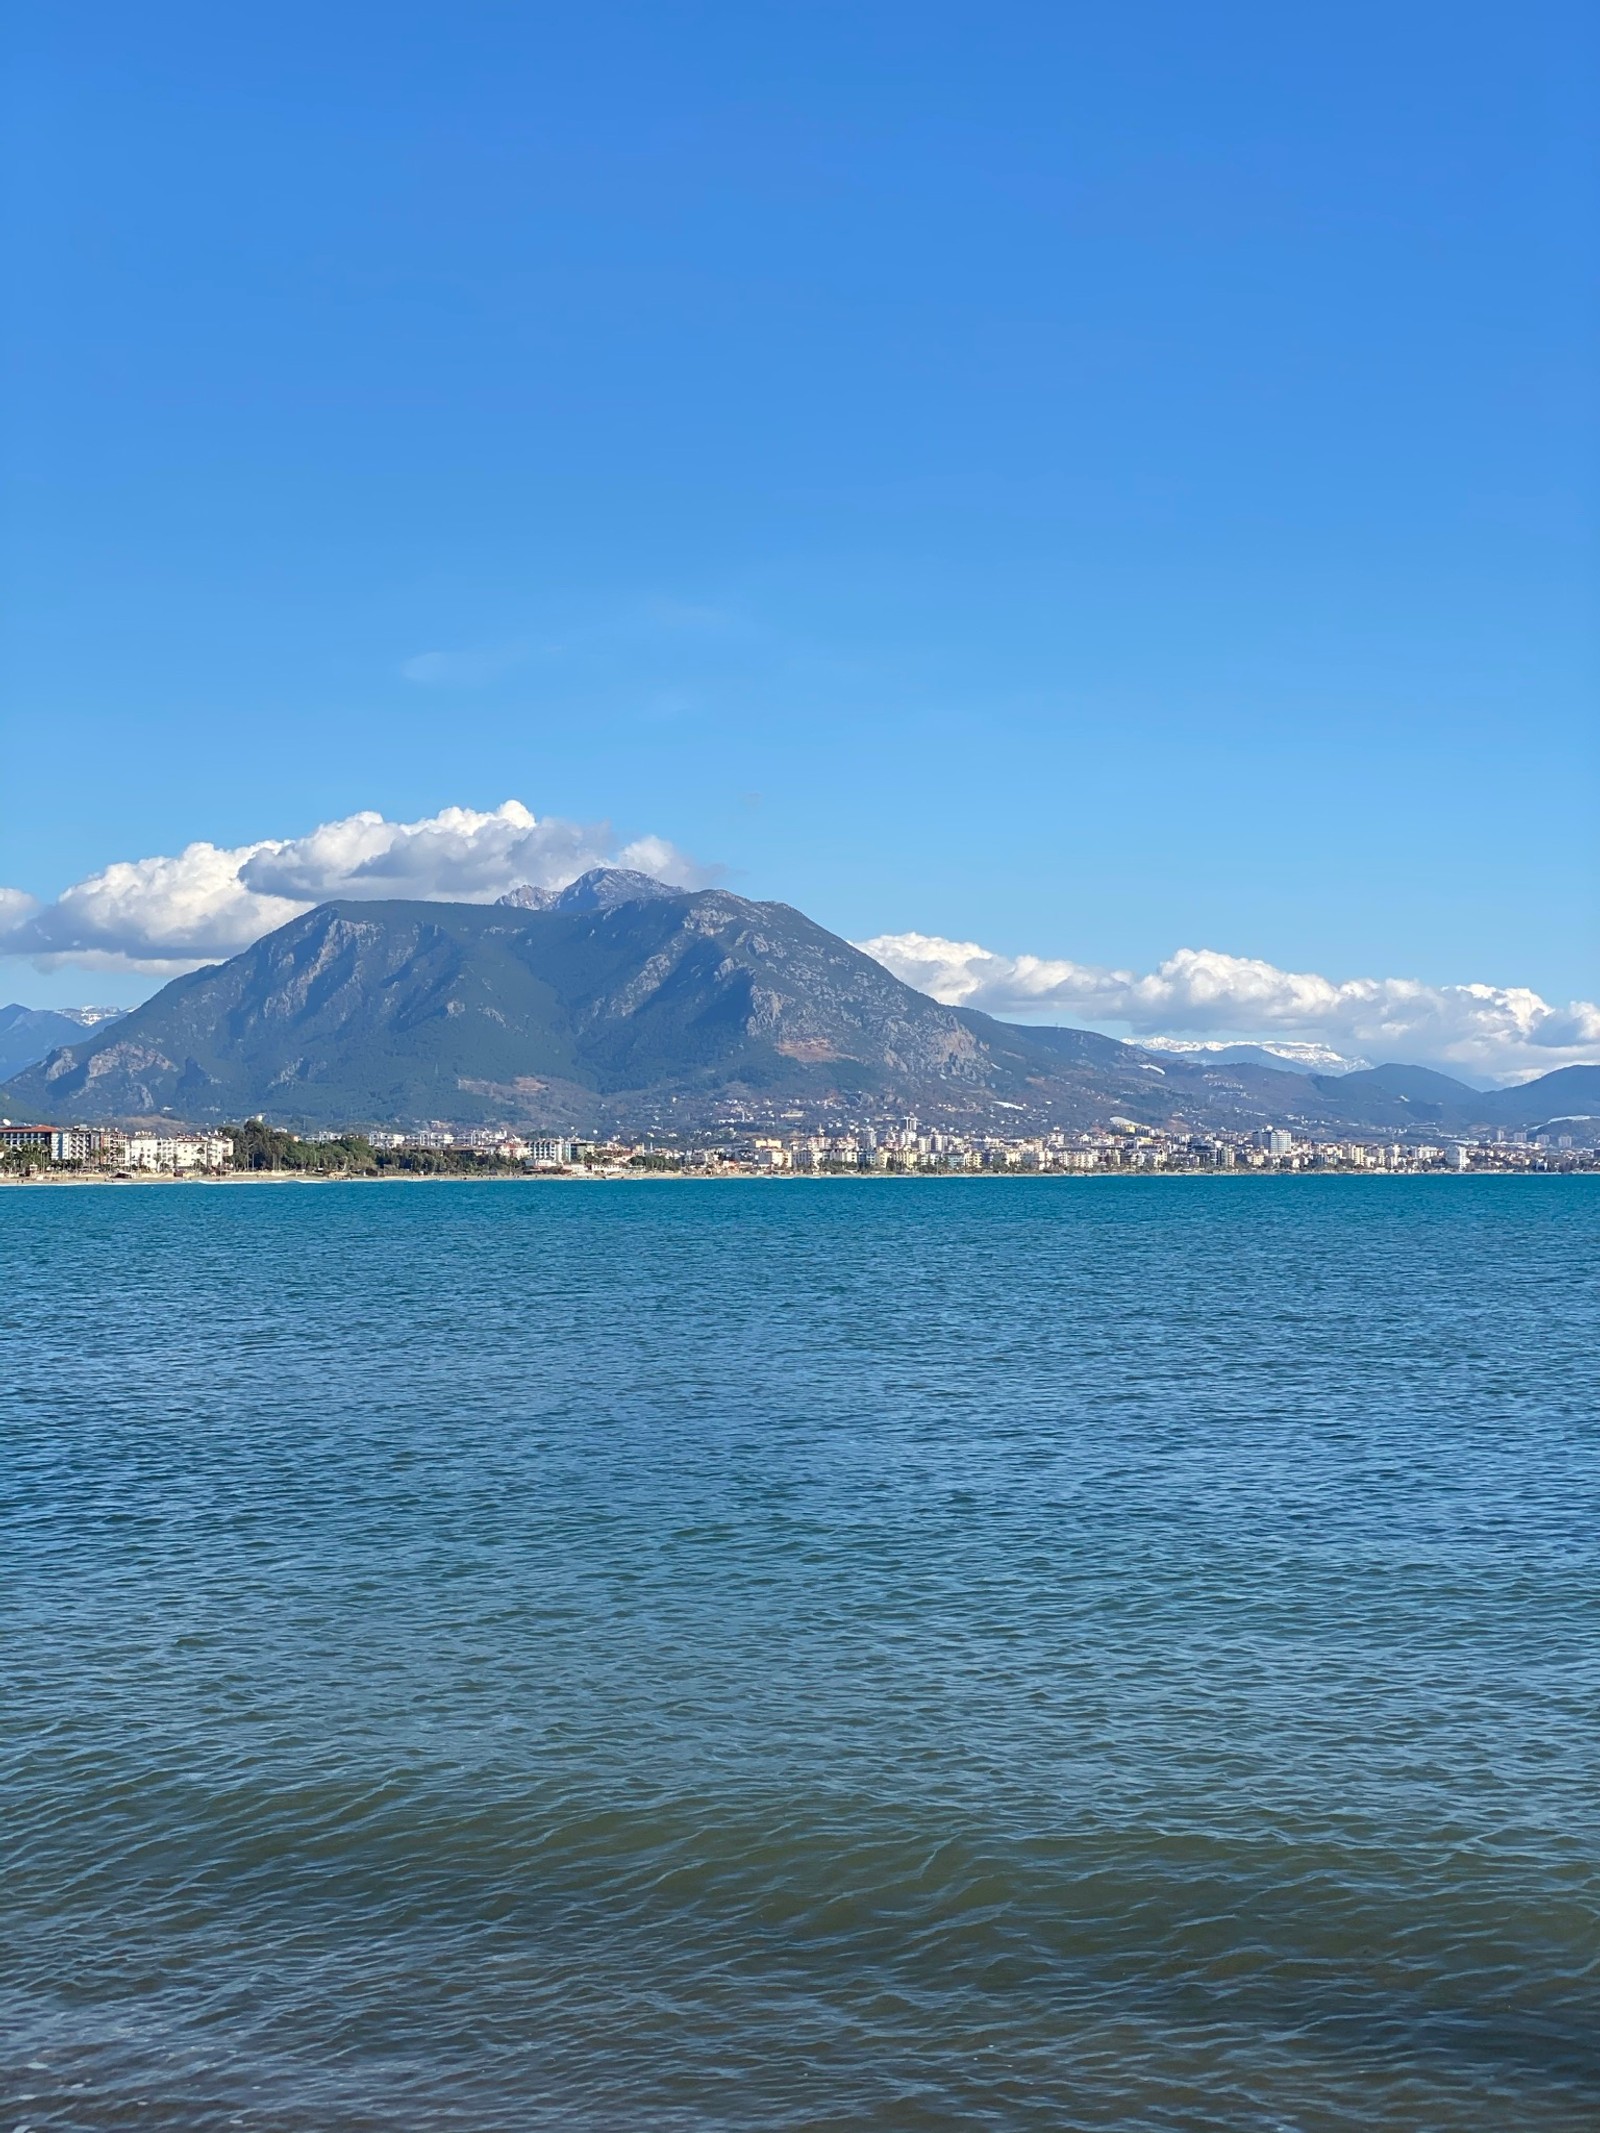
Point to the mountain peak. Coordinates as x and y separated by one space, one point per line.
601 889
621 1002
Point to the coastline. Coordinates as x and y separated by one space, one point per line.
754 1177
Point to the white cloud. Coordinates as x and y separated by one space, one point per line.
460 670
1506 1031
165 915
16 906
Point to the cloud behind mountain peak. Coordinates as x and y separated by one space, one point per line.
166 914
1503 1031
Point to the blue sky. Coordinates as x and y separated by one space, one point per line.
1089 481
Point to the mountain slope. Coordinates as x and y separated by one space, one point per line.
1401 1096
619 1003
28 1034
1569 1093
397 1011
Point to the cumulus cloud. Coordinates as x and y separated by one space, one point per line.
15 907
1505 1031
165 915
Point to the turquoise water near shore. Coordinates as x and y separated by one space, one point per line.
1023 1654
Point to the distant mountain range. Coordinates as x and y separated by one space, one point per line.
28 1034
1393 1095
1287 1055
621 1004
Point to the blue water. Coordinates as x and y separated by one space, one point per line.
898 1654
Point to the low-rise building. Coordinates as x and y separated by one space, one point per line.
177 1151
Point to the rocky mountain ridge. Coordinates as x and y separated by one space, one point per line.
623 1004
29 1034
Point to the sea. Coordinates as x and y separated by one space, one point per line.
1034 1653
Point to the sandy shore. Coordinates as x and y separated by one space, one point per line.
723 1177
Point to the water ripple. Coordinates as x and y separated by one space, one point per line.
814 1657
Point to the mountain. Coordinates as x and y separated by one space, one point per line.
618 1002
1570 1093
1285 1058
601 889
1420 1097
1402 1096
612 1004
32 1033
1412 1084
1084 1047
621 1004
